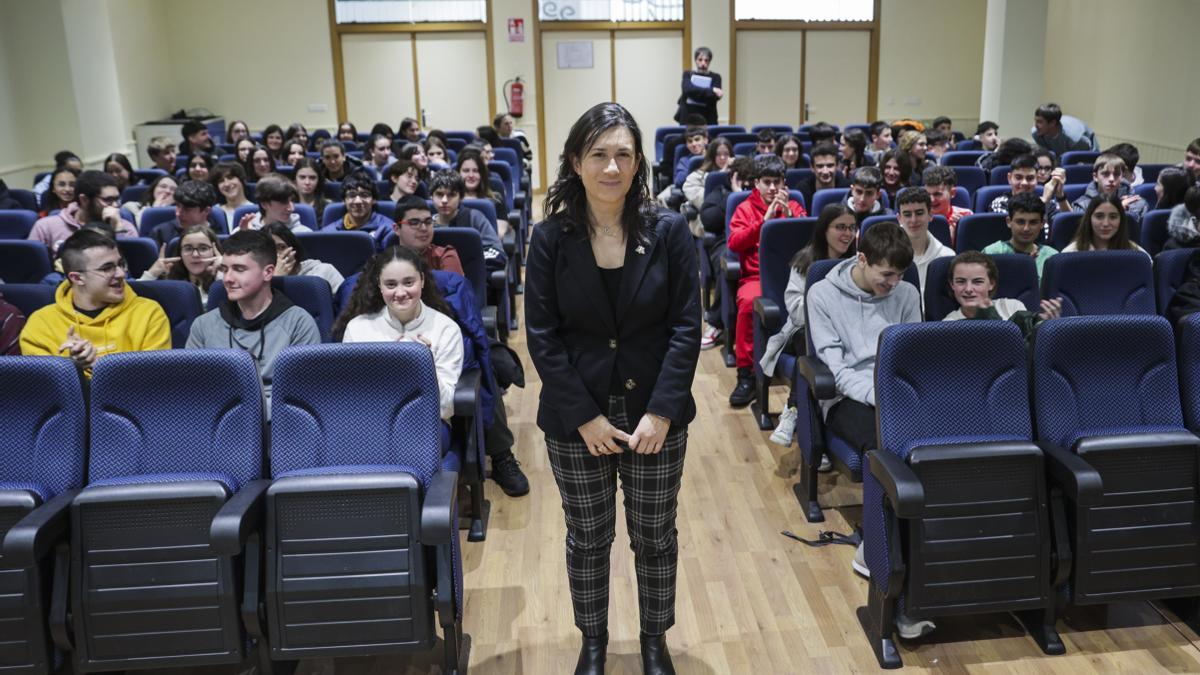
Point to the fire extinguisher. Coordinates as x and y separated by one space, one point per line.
514 97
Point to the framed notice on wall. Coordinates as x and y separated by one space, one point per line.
574 55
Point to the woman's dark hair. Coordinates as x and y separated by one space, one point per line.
124 162
1010 149
225 170
294 129
782 140
248 165
709 162
179 271
272 129
229 130
367 299
1085 238
287 149
383 130
319 201
148 196
203 157
289 238
50 201
440 135
567 199
485 185
856 139
353 130
818 247
1175 182
489 134
903 162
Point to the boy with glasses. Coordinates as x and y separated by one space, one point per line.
358 193
97 202
414 229
95 313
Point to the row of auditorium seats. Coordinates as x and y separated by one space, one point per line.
337 537
1010 479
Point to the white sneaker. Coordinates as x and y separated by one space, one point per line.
911 629
710 338
860 563
825 466
786 427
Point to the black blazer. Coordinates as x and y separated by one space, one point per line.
574 339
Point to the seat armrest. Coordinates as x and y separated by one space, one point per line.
1078 479
498 278
35 535
439 512
240 517
901 485
466 393
818 375
767 312
709 240
732 269
489 319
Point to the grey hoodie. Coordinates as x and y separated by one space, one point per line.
1181 226
845 322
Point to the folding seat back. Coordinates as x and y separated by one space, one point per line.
23 261
1063 227
999 174
140 253
961 198
26 198
1018 280
1150 171
714 179
465 136
1189 370
1147 192
693 163
133 193
777 128
960 157
16 223
976 231
28 298
745 149
730 273
939 227
715 130
987 194
348 251
1154 230
969 144
737 138
1100 282
1079 157
660 135
310 293
1107 406
153 216
469 246
955 510
44 422
1079 174
1170 271
794 177
361 523
176 446
337 211
180 301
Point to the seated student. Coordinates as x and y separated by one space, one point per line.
397 302
942 124
160 192
939 143
273 141
358 193
117 165
764 142
914 209
277 196
1108 177
988 135
296 132
435 152
346 131
198 168
847 310
95 313
96 200
1005 153
410 130
768 200
61 192
914 145
310 186
162 152
336 165
833 237
1191 160
712 218
229 179
1129 154
825 172
446 189
940 183
973 279
696 138
506 126
194 202
897 172
253 317
195 258
1103 227
1171 186
1022 179
293 152
716 158
12 322
822 132
414 229
473 168
863 198
791 151
196 140
415 153
881 140
65 159
259 164
1045 165
1026 218
378 156
1182 225
242 150
854 152
290 259
405 178
1061 133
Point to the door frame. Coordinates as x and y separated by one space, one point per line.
872 26
612 27
336 31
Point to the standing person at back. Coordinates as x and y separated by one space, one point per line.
769 199
1061 133
701 90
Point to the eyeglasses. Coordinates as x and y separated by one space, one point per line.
843 227
111 269
111 201
1041 168
417 223
197 250
360 196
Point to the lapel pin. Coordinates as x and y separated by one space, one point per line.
640 250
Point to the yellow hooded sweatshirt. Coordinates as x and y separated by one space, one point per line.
133 325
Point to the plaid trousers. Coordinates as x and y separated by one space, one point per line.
650 486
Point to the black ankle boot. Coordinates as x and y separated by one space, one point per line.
591 655
656 660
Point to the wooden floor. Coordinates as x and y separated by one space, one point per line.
750 600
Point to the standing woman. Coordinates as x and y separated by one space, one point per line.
613 324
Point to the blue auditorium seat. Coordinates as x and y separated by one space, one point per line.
1154 230
1100 282
1073 157
976 231
1170 271
139 254
985 195
23 261
971 178
28 298
1063 227
961 158
180 301
310 293
348 251
26 198
16 223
